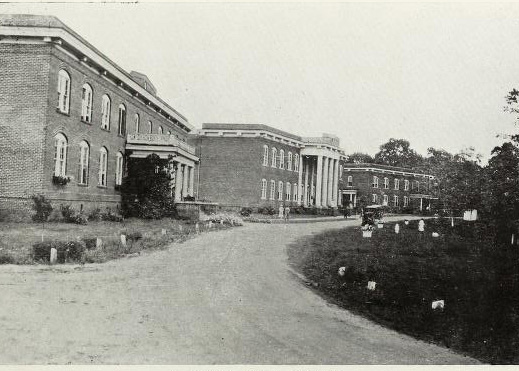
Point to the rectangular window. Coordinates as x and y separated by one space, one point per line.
406 201
395 201
119 169
386 183
397 184
375 182
374 198
287 192
263 189
280 191
386 199
265 155
272 189
406 185
296 163
295 192
350 181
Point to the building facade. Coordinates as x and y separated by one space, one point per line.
69 115
401 189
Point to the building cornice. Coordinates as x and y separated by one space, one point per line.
387 171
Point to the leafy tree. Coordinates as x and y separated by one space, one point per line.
146 190
397 152
359 158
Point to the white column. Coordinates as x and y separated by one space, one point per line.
335 183
299 180
178 182
305 191
324 190
318 183
192 181
312 181
330 182
185 178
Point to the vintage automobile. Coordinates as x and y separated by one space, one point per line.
372 214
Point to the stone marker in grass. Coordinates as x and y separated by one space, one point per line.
435 234
371 285
438 304
123 240
342 271
99 243
397 228
53 255
164 231
197 228
210 224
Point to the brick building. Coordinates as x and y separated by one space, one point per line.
398 188
68 114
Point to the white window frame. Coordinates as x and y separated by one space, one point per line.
350 181
374 198
395 200
406 201
121 121
265 155
263 189
161 130
150 127
280 190
295 192
274 157
63 91
288 191
374 183
406 185
296 163
106 107
397 184
289 161
272 189
341 170
385 201
60 154
137 123
86 103
84 160
386 183
281 158
119 168
103 165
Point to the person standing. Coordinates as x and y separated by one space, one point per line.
287 213
281 208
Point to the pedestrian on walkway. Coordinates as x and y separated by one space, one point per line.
287 213
281 209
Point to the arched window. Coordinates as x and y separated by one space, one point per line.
295 192
84 159
386 200
281 159
60 155
280 191
150 127
161 131
272 189
86 103
105 109
375 182
103 164
296 162
122 120
350 181
63 91
137 122
287 191
119 169
274 157
265 155
289 163
263 189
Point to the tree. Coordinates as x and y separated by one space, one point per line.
359 158
397 152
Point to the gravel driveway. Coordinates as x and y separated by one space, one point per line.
221 298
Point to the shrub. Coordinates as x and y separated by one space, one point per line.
60 180
109 216
95 215
43 208
71 216
134 236
68 251
90 242
6 258
246 211
267 210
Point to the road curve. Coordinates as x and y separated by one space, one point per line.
224 297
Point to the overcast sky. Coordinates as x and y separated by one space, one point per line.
434 74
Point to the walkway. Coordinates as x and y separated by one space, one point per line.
222 298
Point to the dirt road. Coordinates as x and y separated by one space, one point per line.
222 298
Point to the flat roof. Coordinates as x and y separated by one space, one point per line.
261 127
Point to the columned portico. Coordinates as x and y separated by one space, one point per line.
324 191
319 182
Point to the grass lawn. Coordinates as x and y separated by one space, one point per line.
17 239
478 282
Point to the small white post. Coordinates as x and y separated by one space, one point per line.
180 228
197 228
513 237
53 255
397 228
123 240
164 232
99 243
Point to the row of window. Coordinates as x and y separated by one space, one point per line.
278 159
415 184
385 201
60 162
87 97
291 190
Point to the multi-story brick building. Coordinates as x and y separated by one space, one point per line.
398 188
69 114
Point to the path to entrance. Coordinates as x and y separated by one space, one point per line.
222 298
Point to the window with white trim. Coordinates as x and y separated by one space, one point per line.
374 198
296 162
375 182
406 185
265 155
386 200
289 162
274 157
84 159
272 189
281 159
295 192
136 123
150 127
350 181
60 154
105 112
103 164
397 184
122 120
395 201
386 183
119 162
287 192
63 91
263 189
161 130
86 103
341 170
280 191
406 201
416 185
